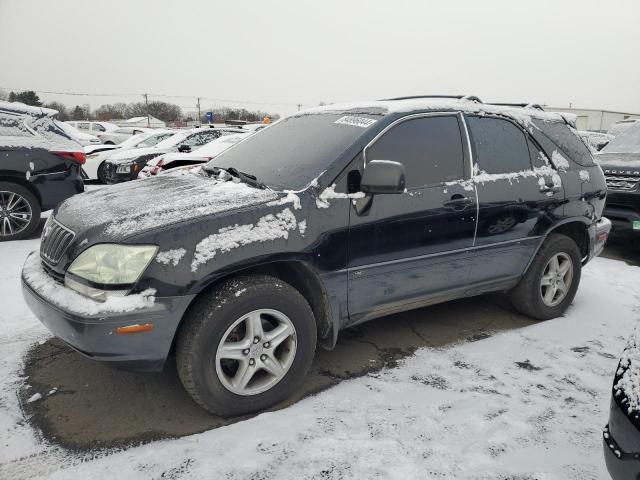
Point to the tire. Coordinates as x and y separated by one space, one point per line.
25 207
100 173
206 327
527 296
109 142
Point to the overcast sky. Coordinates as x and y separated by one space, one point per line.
297 51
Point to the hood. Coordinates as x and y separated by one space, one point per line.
127 209
619 163
127 155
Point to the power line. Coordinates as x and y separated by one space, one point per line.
160 95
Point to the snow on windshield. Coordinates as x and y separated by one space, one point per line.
219 145
627 142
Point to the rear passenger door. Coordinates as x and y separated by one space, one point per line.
519 196
413 247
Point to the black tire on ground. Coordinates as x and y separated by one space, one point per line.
526 297
101 176
34 204
208 320
109 142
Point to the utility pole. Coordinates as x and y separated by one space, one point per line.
146 104
199 114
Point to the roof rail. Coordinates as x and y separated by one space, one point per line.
520 105
471 98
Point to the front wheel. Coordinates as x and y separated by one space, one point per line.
551 282
247 346
19 212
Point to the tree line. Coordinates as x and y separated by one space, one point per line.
165 111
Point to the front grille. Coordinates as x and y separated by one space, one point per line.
56 238
615 182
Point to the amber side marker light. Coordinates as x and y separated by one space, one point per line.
145 327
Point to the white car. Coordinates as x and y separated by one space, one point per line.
198 156
119 135
126 165
93 128
94 166
82 138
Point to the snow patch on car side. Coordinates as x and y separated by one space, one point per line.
270 227
330 192
72 301
171 256
559 161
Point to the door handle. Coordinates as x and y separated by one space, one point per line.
458 202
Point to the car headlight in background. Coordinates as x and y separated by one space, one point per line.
108 269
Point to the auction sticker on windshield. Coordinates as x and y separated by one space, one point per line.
355 121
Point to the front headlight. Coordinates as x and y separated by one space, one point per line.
113 264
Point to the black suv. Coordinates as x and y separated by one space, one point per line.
39 167
620 160
621 436
326 219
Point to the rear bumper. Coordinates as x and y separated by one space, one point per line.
95 335
598 235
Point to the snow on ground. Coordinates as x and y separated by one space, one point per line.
522 404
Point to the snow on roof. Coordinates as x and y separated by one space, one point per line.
522 115
22 108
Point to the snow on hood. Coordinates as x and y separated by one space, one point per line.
622 161
130 208
130 154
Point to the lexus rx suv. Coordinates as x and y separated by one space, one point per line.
331 217
40 166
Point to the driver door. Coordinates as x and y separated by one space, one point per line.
411 249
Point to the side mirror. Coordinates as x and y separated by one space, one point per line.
383 176
184 148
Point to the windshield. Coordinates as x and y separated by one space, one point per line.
291 153
219 145
174 139
627 142
157 138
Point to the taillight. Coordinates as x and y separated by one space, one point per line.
79 157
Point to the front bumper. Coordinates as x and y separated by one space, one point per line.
624 218
95 335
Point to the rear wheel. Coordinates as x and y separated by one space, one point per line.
247 346
19 212
551 282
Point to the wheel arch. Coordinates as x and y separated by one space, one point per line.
11 177
297 273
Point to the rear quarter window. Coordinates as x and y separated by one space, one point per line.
13 126
556 135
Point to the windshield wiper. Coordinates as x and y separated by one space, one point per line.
242 176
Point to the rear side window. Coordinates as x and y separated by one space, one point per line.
98 128
499 146
430 148
200 138
564 138
13 126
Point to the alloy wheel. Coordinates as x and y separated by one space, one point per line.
556 280
256 352
15 213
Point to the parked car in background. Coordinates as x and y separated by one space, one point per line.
243 268
596 141
39 167
620 161
93 128
119 135
93 169
198 156
126 165
620 126
82 138
621 436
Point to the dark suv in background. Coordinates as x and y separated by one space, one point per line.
326 219
620 161
39 167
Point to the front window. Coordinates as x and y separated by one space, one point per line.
291 153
